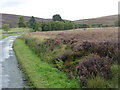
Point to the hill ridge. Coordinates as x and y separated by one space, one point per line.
12 19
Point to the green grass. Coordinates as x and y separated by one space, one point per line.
17 30
41 74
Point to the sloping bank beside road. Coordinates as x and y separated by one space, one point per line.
40 74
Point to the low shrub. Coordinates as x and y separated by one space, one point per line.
94 65
107 48
102 48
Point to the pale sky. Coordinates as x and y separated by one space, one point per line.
68 9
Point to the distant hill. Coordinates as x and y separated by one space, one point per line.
13 19
106 20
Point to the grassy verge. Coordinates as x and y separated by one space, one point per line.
41 74
4 36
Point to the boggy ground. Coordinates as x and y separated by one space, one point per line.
89 56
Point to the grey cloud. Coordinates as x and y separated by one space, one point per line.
11 3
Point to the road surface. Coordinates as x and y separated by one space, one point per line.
10 74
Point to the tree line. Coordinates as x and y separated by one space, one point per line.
57 24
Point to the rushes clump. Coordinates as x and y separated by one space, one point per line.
97 82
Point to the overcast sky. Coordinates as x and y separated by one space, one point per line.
68 9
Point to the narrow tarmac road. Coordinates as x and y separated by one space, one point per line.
10 74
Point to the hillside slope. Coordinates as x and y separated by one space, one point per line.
106 20
13 19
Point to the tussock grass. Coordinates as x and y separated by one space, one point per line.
97 82
41 74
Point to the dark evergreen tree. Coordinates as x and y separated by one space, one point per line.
32 22
57 17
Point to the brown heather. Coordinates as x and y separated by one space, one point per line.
88 53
